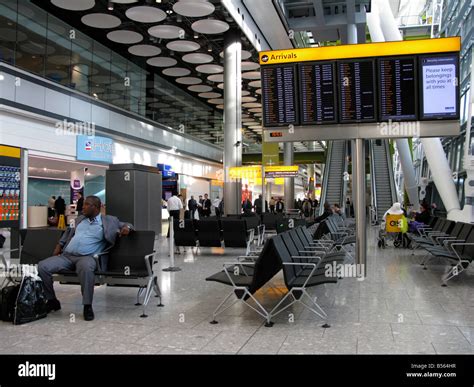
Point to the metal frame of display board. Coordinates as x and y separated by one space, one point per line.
364 130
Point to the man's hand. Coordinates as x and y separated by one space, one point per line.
125 230
58 250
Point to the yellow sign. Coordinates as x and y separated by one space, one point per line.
250 172
393 223
406 47
253 172
279 181
217 183
9 151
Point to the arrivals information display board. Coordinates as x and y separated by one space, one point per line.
279 87
398 88
361 84
318 93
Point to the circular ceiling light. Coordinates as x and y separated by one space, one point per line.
245 54
258 114
249 66
216 78
210 69
176 72
198 58
220 86
124 1
258 91
216 101
144 50
210 26
255 110
252 105
74 5
189 80
248 99
245 93
166 31
257 84
144 14
251 75
210 95
101 20
221 107
183 46
124 37
200 88
193 8
162 62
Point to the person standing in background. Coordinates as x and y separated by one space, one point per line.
60 206
79 203
280 206
200 206
206 206
272 205
51 202
192 206
216 204
174 205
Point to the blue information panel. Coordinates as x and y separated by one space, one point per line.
94 148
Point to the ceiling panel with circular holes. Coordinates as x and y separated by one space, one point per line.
101 20
193 8
74 5
162 62
189 80
200 88
125 37
165 31
176 72
210 26
183 46
210 69
198 58
216 78
144 14
210 95
144 50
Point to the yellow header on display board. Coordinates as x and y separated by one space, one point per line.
350 51
9 151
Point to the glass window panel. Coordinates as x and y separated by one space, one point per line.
8 24
58 61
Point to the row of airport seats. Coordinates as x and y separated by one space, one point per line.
292 251
129 263
447 240
233 231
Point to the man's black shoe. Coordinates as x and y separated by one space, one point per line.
88 313
53 305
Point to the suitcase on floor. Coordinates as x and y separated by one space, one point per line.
8 296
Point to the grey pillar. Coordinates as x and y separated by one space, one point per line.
360 204
359 186
24 189
232 120
288 159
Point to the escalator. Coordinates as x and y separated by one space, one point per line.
382 180
333 178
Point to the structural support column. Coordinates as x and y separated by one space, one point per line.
288 159
359 188
24 190
406 161
232 120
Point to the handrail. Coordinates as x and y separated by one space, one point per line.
325 178
372 178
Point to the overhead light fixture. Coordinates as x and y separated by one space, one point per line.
209 49
110 6
179 18
196 36
169 11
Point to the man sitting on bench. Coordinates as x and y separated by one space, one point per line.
93 233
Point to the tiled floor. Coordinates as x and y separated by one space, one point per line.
398 309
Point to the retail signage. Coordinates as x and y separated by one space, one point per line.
95 148
10 173
281 171
166 170
255 172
